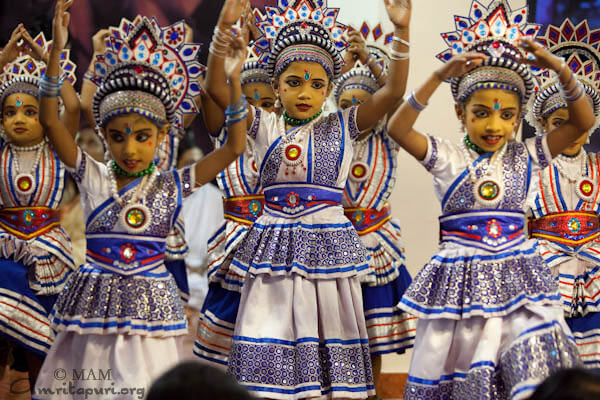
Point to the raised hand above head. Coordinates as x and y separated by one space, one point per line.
14 46
399 12
60 24
99 41
541 57
460 65
232 11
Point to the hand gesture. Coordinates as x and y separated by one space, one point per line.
33 49
232 11
399 12
357 46
249 21
542 58
189 34
460 65
60 24
13 48
99 41
236 57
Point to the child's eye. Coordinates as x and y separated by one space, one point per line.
142 137
344 105
480 113
116 137
30 112
293 83
9 113
318 85
508 115
267 104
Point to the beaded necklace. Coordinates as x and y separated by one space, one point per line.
24 181
296 122
584 186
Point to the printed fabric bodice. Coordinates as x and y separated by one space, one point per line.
303 171
30 232
485 265
371 179
125 286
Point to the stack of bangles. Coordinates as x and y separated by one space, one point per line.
398 55
50 85
236 112
219 44
369 63
573 94
415 104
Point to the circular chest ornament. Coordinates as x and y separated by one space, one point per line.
359 171
585 189
488 192
292 154
25 184
136 218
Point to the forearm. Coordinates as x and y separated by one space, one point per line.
581 113
236 133
385 99
216 80
88 89
59 135
72 110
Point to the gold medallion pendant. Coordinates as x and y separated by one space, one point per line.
488 192
25 184
136 218
585 189
359 171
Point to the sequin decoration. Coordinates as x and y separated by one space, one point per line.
585 189
574 225
256 95
19 102
497 105
487 192
127 129
255 207
307 75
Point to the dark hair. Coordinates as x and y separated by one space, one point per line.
194 380
569 384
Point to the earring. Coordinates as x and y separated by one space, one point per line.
462 127
587 141
277 102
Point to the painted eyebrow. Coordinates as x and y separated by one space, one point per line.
488 108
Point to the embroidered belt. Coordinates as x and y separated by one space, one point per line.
491 230
244 209
572 228
367 220
295 200
28 222
124 255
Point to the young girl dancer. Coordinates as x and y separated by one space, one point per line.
243 204
565 208
121 311
300 329
490 325
35 252
370 183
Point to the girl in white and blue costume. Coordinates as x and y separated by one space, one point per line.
567 202
490 324
121 311
300 330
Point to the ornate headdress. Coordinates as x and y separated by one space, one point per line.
23 74
303 31
256 67
148 70
579 47
360 77
493 31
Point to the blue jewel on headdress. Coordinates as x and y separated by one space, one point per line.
353 100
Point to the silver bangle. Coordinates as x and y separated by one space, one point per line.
398 55
415 104
400 40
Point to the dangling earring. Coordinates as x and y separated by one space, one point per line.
277 102
587 141
462 127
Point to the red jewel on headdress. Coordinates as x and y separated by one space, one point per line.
496 45
304 25
138 69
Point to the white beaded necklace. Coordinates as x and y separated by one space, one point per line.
25 183
561 160
486 190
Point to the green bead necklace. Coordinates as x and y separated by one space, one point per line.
118 170
295 122
473 146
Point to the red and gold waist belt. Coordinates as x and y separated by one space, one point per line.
244 209
572 228
28 222
367 220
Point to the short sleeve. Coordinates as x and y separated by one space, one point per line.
349 116
430 162
187 179
257 114
539 152
87 171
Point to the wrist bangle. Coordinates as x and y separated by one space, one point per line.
415 104
400 40
398 55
